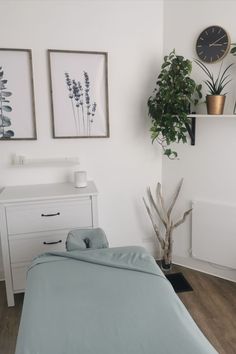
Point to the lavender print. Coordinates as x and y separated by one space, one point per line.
4 107
82 109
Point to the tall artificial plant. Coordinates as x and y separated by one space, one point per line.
170 102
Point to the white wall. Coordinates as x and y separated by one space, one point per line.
208 168
123 165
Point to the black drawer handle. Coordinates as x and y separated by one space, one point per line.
46 215
52 243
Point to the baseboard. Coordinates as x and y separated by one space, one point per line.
205 267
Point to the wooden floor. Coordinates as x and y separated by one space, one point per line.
212 304
9 321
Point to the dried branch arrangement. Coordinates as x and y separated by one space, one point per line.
158 207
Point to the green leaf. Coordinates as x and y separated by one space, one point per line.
170 154
6 93
165 65
5 121
233 50
8 134
7 108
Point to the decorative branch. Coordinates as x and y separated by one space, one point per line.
182 220
155 206
160 239
166 241
175 198
161 201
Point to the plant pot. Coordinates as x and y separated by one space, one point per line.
166 267
215 104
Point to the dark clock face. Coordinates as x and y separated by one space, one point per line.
212 44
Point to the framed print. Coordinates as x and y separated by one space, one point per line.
17 112
79 94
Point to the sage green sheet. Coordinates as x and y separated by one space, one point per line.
106 301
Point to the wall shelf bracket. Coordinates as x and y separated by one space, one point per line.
191 128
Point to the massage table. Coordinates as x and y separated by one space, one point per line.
104 301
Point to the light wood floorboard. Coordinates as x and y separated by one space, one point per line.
9 321
212 305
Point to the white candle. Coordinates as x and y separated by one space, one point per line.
80 179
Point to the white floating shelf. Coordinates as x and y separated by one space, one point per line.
191 127
21 160
212 115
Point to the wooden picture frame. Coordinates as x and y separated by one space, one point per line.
17 106
79 93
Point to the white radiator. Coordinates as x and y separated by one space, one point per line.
214 233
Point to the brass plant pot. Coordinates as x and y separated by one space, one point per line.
215 104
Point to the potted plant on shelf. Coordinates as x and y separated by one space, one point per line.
157 208
169 105
215 100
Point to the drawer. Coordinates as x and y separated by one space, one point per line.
19 275
30 217
25 249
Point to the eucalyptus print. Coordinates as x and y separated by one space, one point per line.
82 109
5 121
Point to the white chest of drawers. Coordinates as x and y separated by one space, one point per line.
36 219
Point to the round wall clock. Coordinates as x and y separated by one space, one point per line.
212 44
